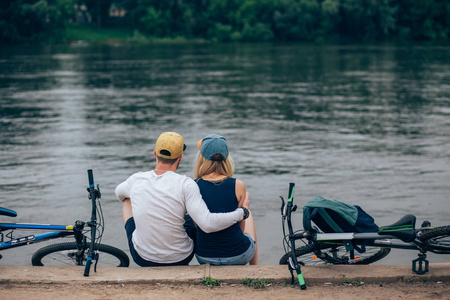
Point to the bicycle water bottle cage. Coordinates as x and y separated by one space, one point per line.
404 229
7 212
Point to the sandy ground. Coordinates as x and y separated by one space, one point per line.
402 290
234 282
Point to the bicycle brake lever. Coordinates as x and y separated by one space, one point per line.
99 194
283 205
96 261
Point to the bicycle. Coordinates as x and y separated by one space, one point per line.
338 248
83 251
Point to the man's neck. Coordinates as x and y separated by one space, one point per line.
163 168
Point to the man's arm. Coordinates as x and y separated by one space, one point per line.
123 191
207 221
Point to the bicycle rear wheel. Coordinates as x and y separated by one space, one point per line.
306 255
65 254
437 239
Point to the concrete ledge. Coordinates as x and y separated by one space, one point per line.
229 274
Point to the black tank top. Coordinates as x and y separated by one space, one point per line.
220 198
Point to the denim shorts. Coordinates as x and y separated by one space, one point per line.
241 259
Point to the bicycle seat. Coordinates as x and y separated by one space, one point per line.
7 212
404 229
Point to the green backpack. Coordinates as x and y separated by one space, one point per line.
333 216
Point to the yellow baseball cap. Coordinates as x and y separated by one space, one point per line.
170 145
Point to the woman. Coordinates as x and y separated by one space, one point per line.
213 170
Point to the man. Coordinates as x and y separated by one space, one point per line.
159 208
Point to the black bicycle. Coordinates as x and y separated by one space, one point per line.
85 250
329 243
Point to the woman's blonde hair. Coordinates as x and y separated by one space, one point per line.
205 166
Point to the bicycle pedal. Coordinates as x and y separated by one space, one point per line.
420 265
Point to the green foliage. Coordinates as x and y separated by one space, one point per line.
87 34
423 20
356 282
259 283
34 21
258 32
299 20
156 22
211 282
370 20
235 20
220 33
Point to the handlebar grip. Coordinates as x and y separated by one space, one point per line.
91 178
291 192
87 266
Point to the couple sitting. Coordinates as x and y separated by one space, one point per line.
170 217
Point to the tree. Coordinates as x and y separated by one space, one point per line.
33 20
99 10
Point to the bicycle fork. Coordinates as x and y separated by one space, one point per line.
81 243
294 265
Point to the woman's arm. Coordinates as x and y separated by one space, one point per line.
243 199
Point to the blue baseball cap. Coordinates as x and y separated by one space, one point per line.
213 144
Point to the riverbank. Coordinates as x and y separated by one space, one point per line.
82 35
232 282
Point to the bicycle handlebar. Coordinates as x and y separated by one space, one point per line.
91 178
291 192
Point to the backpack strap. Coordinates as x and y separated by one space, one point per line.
323 213
350 246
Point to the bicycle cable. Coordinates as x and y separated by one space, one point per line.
100 223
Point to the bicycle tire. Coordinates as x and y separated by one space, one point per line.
437 239
64 254
305 254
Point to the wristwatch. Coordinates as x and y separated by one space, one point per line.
246 213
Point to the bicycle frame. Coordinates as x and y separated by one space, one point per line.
60 231
371 239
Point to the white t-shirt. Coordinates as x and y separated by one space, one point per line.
159 204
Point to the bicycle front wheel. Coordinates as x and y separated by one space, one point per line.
306 255
66 254
437 239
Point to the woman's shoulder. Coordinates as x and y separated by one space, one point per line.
240 189
240 183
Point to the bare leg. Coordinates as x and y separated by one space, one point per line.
126 210
249 228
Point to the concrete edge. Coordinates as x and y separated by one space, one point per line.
226 274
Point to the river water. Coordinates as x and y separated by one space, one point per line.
368 125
